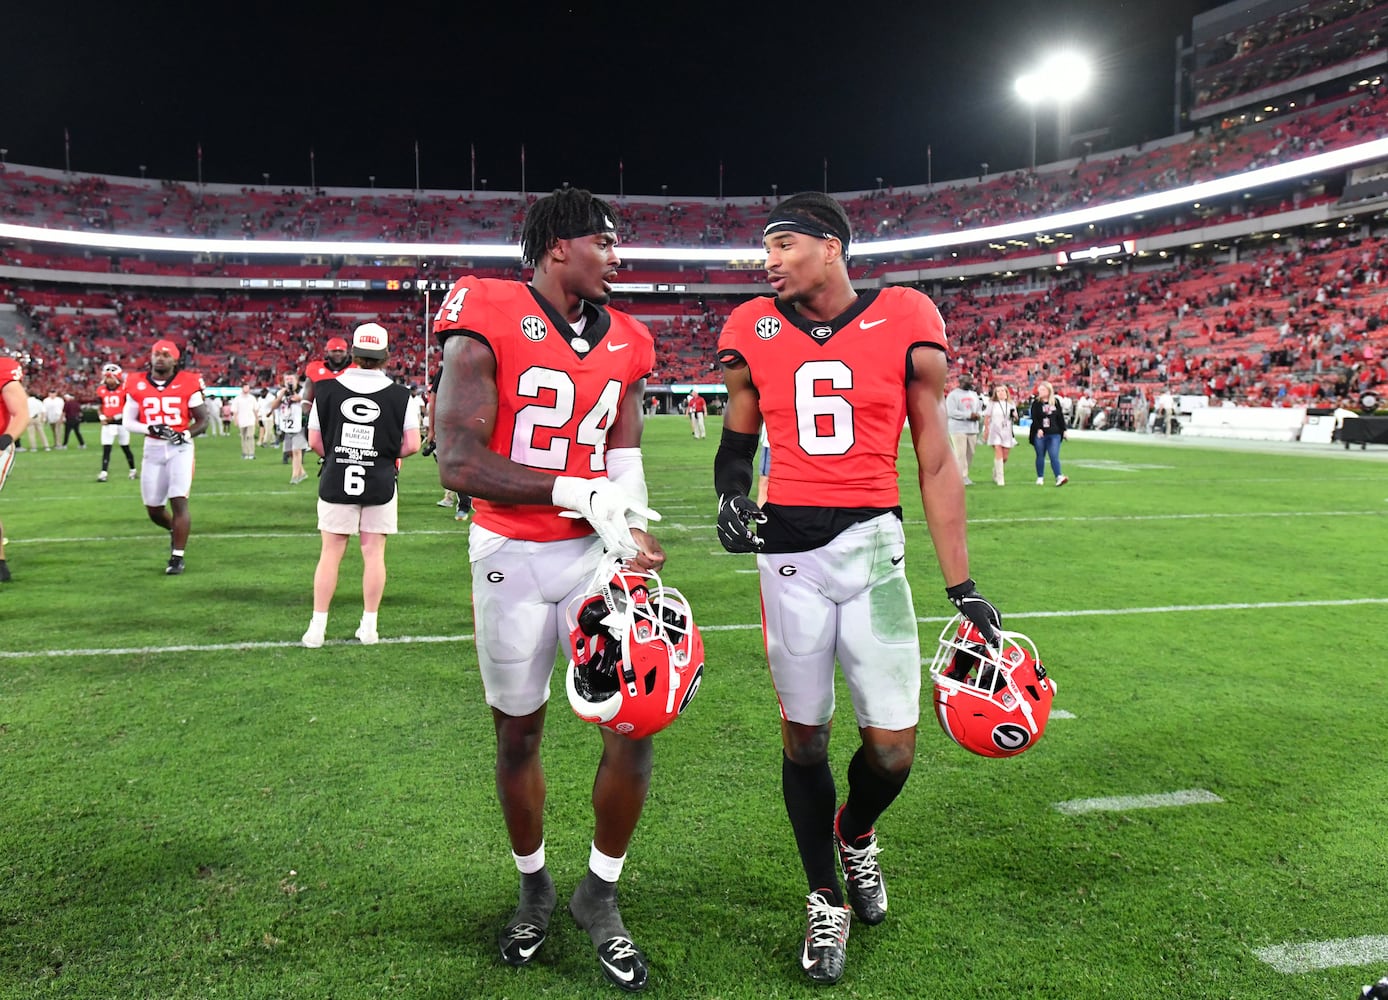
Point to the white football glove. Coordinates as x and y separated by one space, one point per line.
605 505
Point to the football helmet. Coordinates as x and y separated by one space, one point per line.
638 656
992 700
107 370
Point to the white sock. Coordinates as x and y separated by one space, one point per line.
175 552
606 868
531 863
368 620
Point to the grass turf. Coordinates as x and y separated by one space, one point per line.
213 811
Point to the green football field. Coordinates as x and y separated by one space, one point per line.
195 806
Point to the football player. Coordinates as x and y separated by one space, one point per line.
113 429
834 376
14 417
167 405
539 414
336 359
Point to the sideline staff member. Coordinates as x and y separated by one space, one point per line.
362 423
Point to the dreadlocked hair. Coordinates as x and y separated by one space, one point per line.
823 209
559 215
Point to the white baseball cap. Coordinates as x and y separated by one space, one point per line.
370 340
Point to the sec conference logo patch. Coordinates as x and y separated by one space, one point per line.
533 327
767 327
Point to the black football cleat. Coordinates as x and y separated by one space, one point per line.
175 566
520 941
623 964
862 875
826 939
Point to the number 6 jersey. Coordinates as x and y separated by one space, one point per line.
833 394
558 389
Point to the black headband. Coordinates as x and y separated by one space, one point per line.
799 222
598 222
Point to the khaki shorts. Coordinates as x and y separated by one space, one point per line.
353 518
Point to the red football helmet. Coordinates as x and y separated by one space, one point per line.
993 701
638 656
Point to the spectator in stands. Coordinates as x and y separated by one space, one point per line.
14 412
244 409
38 422
72 420
357 489
1002 414
965 412
1046 432
53 413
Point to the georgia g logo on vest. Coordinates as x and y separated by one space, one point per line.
360 410
533 327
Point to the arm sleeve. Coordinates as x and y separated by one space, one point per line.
626 468
732 465
131 417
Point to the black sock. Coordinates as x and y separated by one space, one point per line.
129 456
869 794
810 802
105 457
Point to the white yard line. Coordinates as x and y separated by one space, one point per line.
1122 803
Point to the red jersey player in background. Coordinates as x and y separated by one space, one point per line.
111 397
836 376
167 405
14 411
538 411
336 359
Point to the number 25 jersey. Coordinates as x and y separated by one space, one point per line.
555 405
833 394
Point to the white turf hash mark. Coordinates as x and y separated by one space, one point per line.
1310 956
403 640
1121 803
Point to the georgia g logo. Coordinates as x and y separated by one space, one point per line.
360 410
533 327
1010 737
767 327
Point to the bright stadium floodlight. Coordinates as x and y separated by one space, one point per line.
1061 78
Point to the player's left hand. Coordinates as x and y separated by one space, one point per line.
650 556
736 515
977 609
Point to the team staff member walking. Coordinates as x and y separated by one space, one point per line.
167 405
362 423
834 376
1047 431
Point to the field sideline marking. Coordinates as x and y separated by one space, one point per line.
468 637
701 526
1312 956
1120 803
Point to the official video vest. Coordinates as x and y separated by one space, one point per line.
362 434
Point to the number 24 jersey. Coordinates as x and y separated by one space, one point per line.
555 405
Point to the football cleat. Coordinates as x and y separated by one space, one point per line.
134 473
826 939
101 476
520 941
175 566
623 964
367 636
1375 991
862 875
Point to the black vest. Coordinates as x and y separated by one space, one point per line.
362 433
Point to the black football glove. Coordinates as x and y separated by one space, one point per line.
736 515
429 447
161 431
977 609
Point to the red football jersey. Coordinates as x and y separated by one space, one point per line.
112 400
318 370
554 404
833 395
171 403
10 371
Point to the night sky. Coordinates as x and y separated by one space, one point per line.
667 90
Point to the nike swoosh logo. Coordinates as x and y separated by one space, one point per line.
805 962
865 325
527 952
896 560
615 347
625 975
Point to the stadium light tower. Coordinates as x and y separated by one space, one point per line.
1061 78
